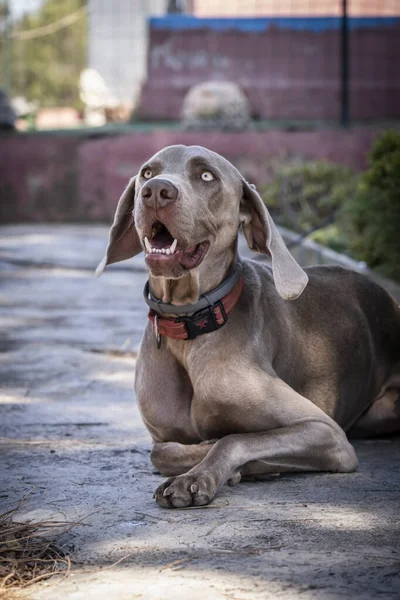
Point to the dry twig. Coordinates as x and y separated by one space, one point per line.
26 556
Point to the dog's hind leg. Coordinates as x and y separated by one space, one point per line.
382 418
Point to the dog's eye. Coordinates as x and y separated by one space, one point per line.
147 173
207 176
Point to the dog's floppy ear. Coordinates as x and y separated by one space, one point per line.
262 236
123 241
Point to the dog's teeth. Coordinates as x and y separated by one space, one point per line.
162 250
147 245
168 251
173 246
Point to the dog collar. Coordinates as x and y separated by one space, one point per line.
208 314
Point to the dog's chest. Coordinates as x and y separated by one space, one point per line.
220 399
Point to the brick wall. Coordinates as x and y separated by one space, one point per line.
78 178
288 67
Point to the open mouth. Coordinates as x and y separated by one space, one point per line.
162 246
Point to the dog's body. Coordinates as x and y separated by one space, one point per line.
277 386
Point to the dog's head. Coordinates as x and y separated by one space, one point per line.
184 209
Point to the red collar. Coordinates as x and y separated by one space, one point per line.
208 319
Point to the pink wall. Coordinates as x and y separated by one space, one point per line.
50 177
285 73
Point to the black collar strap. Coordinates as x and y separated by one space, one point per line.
205 301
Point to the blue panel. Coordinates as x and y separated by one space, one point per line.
257 25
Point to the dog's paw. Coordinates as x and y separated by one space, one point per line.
185 490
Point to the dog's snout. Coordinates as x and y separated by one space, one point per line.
158 193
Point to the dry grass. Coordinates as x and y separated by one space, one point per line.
27 555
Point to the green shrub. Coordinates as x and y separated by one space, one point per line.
303 195
371 217
358 216
333 237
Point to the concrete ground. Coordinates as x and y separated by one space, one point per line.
72 436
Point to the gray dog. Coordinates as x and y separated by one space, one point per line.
246 370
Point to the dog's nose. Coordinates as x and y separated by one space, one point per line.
158 193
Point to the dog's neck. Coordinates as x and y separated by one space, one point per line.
189 288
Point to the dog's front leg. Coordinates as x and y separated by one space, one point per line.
305 446
173 458
313 442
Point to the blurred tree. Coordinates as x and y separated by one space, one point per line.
5 45
49 49
3 8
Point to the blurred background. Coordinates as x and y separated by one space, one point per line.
303 97
297 93
77 62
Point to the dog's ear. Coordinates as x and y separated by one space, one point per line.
123 241
262 236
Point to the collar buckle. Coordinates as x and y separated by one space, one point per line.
204 320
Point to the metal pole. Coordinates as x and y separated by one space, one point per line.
344 67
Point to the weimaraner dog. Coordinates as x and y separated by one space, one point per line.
246 370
